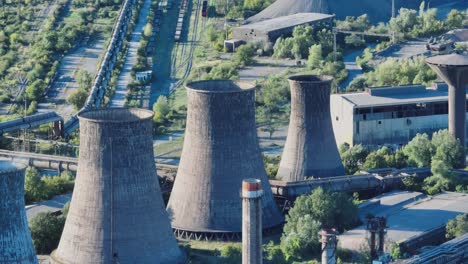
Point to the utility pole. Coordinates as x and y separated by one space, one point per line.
393 16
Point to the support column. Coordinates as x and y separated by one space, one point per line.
329 243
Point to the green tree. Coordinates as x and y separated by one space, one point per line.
231 254
315 56
457 227
419 150
354 157
244 55
84 80
35 90
33 185
46 230
375 161
147 30
312 212
161 109
78 99
454 19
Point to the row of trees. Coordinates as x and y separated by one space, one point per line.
37 188
442 153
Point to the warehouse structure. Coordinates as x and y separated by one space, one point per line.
271 29
220 150
389 115
15 239
117 213
310 149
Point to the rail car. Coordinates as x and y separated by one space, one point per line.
204 8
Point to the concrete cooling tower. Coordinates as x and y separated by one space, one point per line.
116 214
310 149
377 10
220 150
16 246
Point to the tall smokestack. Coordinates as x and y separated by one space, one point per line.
310 148
453 69
220 150
15 240
116 214
252 221
329 242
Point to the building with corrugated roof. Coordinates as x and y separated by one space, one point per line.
271 29
389 115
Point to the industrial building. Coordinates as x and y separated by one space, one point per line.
16 245
220 151
117 214
269 30
310 149
389 115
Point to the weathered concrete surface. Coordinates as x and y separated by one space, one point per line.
117 214
406 220
252 221
310 149
220 150
15 240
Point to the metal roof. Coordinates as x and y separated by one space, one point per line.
365 99
286 21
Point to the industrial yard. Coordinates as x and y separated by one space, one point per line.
245 131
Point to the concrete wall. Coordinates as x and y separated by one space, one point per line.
342 119
117 214
15 240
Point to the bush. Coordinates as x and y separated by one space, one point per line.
46 230
231 254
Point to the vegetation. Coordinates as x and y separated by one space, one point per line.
457 227
85 81
37 188
46 230
309 214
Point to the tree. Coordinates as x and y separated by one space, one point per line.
46 230
354 157
457 227
375 161
447 149
78 99
244 55
147 30
33 185
315 56
84 80
161 109
312 212
454 19
231 254
419 150
35 90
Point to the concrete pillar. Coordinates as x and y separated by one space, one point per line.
453 69
329 242
251 221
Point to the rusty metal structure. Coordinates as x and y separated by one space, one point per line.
220 150
329 245
252 221
310 149
117 214
377 226
15 239
453 69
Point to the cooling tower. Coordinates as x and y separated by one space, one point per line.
16 246
220 150
310 149
116 214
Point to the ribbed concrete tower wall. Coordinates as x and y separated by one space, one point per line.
16 245
117 214
220 150
310 148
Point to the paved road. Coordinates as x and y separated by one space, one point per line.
118 100
84 57
51 205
